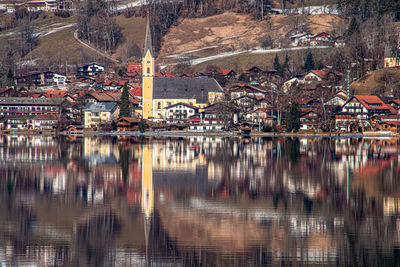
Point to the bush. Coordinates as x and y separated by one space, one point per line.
266 129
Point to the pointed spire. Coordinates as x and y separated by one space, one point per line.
147 41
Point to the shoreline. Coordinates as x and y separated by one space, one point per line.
208 134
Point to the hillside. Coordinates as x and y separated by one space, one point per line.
374 80
191 38
224 33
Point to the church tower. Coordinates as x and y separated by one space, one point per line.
148 74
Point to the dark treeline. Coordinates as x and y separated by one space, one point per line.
97 25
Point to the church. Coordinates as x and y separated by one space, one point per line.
162 92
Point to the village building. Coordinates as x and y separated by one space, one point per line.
364 106
45 121
309 120
161 92
20 122
180 112
127 124
45 78
91 69
27 106
45 5
96 114
227 73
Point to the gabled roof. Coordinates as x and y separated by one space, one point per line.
225 71
185 88
129 119
320 73
372 102
101 107
136 91
55 93
102 96
117 82
396 101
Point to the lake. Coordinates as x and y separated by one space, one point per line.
135 201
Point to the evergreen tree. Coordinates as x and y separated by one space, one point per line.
277 66
352 27
285 65
293 118
124 107
309 62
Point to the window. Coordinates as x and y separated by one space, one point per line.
159 105
148 70
168 104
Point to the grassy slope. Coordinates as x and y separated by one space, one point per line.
62 47
366 84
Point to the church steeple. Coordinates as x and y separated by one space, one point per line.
148 68
148 45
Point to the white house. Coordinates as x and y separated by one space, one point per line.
180 112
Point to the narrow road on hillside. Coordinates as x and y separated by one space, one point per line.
256 51
94 49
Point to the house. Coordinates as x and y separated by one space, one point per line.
395 103
227 73
259 115
345 122
309 119
36 78
6 92
239 90
300 39
45 121
339 41
91 69
364 106
320 39
127 124
29 106
46 5
96 114
316 75
339 99
114 85
21 122
180 112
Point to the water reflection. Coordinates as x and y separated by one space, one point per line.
198 201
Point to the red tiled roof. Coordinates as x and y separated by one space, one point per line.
372 101
136 91
225 71
120 82
320 73
55 93
134 100
134 67
396 101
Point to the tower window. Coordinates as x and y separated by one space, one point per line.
148 70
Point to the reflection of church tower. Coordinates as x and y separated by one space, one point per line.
147 190
147 74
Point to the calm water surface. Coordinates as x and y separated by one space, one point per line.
198 201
